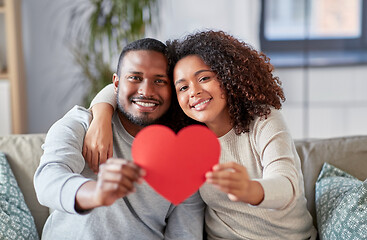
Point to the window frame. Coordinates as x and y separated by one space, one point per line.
320 46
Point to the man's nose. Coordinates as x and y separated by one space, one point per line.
146 88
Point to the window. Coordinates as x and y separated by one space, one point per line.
329 32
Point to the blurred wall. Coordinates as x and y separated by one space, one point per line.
52 76
240 18
325 102
53 79
334 103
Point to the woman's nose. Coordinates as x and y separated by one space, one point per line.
195 90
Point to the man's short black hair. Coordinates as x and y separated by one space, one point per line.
142 44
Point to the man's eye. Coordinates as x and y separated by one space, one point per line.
134 78
161 81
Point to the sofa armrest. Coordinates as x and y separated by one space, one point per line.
346 153
23 153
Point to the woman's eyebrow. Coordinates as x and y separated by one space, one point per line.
195 74
200 71
179 81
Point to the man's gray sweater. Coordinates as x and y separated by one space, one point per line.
141 215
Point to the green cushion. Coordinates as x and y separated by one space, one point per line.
16 221
341 205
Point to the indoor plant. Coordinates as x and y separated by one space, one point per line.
102 28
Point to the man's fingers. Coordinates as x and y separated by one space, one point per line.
118 162
126 168
116 181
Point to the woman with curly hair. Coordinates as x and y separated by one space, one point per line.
257 189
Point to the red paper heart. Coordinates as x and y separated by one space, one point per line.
175 165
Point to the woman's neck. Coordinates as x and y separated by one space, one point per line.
220 129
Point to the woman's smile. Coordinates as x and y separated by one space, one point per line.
201 104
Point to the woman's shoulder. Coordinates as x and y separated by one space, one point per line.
274 115
273 122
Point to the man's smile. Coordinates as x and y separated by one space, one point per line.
146 104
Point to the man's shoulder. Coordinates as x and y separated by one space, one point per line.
77 114
76 120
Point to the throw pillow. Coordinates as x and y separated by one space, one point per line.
341 205
16 221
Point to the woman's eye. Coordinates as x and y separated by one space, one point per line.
203 79
183 88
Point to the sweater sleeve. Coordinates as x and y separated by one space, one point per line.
279 160
106 95
58 177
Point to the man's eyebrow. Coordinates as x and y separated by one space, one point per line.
140 73
134 72
161 75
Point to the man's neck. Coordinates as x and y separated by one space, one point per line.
130 127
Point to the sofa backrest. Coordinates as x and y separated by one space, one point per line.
347 153
23 153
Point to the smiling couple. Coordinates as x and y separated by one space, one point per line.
208 78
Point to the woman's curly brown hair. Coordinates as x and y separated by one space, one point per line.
245 74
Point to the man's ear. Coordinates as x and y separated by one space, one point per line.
115 80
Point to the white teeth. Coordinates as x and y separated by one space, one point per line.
145 104
198 105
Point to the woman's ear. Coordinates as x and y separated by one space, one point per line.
115 80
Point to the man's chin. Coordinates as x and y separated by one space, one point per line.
142 121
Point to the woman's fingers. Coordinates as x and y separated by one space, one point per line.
110 150
229 177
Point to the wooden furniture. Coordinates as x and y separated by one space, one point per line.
10 15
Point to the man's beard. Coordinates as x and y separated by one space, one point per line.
141 121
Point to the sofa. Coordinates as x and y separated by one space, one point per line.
23 153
